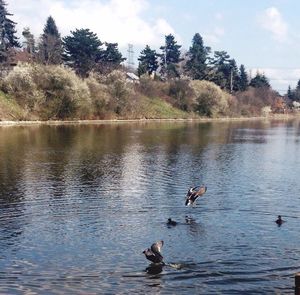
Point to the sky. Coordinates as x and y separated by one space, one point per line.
263 35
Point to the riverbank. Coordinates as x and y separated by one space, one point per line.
82 122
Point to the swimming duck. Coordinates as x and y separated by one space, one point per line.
279 220
153 254
171 222
193 193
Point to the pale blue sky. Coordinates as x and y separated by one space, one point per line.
263 35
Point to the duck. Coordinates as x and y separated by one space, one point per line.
193 193
279 220
171 222
154 252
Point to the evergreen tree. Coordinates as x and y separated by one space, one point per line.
196 66
8 39
298 86
110 58
296 92
290 93
147 61
29 41
234 78
221 67
243 81
50 46
82 51
170 57
260 80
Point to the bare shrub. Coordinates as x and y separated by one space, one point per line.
120 90
182 93
100 97
65 94
252 101
152 88
209 99
20 84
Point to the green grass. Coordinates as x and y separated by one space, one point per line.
159 109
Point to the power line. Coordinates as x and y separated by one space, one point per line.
273 68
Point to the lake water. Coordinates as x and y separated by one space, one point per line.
80 203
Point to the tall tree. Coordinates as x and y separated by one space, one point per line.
243 82
296 92
196 65
50 46
82 50
29 41
8 38
289 93
234 78
147 61
170 57
260 80
110 58
221 69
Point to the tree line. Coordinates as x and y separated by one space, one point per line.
86 54
83 51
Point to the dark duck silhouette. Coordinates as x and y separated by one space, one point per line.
153 254
171 222
279 220
194 193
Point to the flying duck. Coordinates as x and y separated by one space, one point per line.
193 193
153 254
171 222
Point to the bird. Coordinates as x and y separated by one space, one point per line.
153 253
193 193
171 222
279 220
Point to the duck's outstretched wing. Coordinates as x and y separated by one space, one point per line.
156 247
202 190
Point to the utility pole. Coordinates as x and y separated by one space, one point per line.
231 80
130 52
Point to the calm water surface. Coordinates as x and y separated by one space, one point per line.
79 204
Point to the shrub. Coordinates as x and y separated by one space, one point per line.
54 92
252 101
182 93
20 84
65 94
100 97
152 88
120 91
209 99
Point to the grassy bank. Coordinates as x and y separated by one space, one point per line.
34 92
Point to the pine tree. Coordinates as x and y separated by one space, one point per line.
8 38
110 58
243 82
296 92
290 93
196 66
170 57
50 46
221 69
234 78
260 80
147 61
82 50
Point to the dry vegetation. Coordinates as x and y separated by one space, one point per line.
39 92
